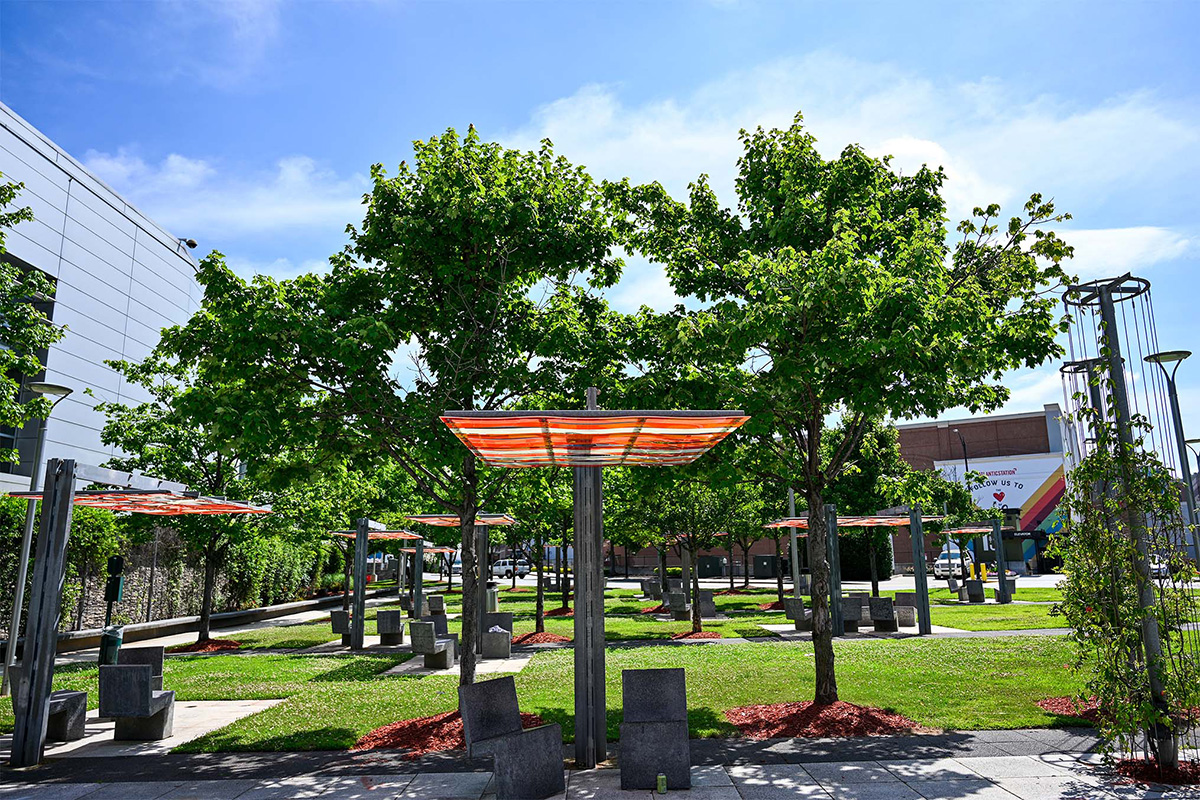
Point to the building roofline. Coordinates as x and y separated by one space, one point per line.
1052 408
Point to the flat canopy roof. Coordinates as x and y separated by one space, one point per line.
851 522
976 529
158 502
377 535
427 550
452 521
591 438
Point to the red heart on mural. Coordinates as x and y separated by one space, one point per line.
999 496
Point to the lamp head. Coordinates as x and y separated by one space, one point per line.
1167 357
50 389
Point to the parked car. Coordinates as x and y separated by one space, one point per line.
456 567
1159 567
505 567
948 565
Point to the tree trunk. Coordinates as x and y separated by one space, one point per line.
470 603
778 571
539 614
565 585
211 561
697 620
83 582
730 549
662 568
818 565
450 574
746 565
625 550
347 560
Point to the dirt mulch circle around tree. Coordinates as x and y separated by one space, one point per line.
808 720
206 646
1148 771
774 605
658 609
560 612
696 635
1071 707
425 735
728 592
545 637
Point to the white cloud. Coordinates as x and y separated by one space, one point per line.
1115 251
193 195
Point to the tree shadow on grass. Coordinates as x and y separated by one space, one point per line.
360 668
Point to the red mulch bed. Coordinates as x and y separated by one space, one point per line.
545 637
726 592
809 721
519 589
560 612
774 605
425 735
653 609
1070 707
206 646
696 635
1148 771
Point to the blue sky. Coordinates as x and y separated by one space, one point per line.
251 126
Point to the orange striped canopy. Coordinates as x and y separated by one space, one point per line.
377 535
591 438
452 521
972 529
851 522
157 502
428 550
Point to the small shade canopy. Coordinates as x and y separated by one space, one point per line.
452 521
591 438
428 550
158 502
851 522
972 529
377 536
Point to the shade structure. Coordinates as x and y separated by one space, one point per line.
428 550
591 438
378 536
452 521
973 529
158 502
852 522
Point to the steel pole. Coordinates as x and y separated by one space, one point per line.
916 532
793 541
481 559
1001 569
14 627
591 726
357 620
834 557
1185 468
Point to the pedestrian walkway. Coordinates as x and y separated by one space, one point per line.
990 765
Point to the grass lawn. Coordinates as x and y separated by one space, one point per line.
995 617
936 682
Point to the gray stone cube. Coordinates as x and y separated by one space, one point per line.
852 614
497 645
653 695
436 603
390 623
654 737
152 656
340 621
906 599
68 711
500 619
793 607
974 590
680 609
528 763
883 614
906 616
708 606
141 712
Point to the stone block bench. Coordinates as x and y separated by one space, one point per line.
390 623
680 610
852 614
708 606
68 709
440 652
436 604
528 762
793 609
497 644
972 592
906 616
150 656
127 694
883 615
654 731
340 621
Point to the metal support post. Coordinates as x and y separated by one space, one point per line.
590 723
419 579
32 707
835 567
357 618
1003 596
916 530
482 543
685 561
794 541
1185 466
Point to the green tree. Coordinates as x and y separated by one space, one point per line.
834 289
25 330
464 288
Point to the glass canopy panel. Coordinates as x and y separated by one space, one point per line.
428 550
376 536
158 502
852 522
591 438
452 521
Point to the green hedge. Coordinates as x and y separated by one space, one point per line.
854 547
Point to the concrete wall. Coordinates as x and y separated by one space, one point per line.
121 278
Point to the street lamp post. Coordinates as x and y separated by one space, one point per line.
10 652
966 483
1176 357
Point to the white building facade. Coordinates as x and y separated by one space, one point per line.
120 279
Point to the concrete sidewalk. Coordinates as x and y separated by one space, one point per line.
986 765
